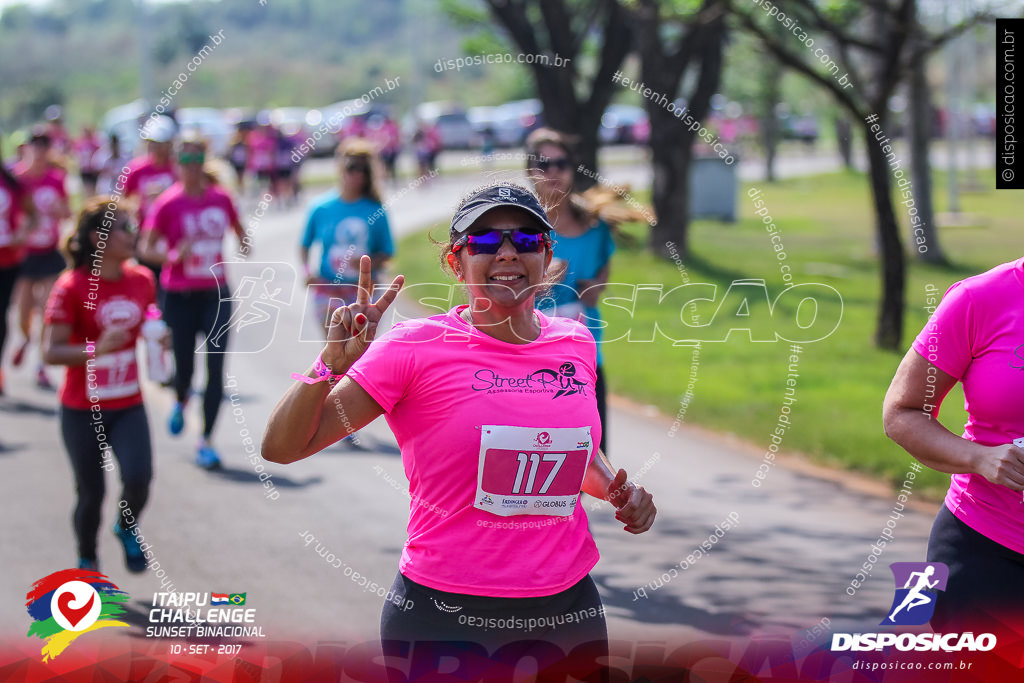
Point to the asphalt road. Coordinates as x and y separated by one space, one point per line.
783 568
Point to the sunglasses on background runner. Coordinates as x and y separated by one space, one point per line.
559 164
525 241
191 158
356 167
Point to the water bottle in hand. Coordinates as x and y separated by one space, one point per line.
158 369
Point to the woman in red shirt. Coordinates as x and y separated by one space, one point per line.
93 319
15 208
43 182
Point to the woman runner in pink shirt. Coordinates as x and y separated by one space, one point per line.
494 410
192 217
976 337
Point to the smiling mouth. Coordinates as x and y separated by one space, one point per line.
506 278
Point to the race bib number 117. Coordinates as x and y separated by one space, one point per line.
531 470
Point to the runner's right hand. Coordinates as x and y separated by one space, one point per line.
353 327
1004 465
111 339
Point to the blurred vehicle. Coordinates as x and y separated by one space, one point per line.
481 119
291 120
619 122
513 121
241 116
451 121
125 122
802 128
212 124
983 117
340 116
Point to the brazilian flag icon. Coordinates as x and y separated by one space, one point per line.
237 598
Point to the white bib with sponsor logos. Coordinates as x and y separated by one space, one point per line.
114 375
531 470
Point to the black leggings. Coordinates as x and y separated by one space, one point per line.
126 433
986 579
8 276
419 625
190 314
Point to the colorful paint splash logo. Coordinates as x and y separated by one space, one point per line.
69 603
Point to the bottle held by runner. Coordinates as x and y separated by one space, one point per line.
154 330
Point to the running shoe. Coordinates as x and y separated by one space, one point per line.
91 565
207 458
133 556
177 420
42 381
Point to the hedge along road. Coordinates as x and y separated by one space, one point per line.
782 569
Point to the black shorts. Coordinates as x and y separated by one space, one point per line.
567 629
986 579
42 265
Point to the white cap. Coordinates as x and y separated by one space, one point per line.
159 129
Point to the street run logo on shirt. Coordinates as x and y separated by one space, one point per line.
562 381
917 586
71 603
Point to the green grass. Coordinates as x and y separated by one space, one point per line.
828 232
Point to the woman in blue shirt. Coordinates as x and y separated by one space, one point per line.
583 243
346 224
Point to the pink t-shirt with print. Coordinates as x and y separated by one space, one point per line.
495 440
977 335
147 179
176 216
48 195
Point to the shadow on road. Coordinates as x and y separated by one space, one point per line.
366 445
667 608
248 476
11 449
23 408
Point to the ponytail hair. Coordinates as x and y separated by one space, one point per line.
99 215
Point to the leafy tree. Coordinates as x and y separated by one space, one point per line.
679 41
593 35
873 44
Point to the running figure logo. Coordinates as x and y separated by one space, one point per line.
914 603
250 314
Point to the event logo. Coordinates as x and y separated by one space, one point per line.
543 440
69 603
913 605
916 586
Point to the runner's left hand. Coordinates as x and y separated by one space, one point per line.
635 506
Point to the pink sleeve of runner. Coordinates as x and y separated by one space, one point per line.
387 368
945 341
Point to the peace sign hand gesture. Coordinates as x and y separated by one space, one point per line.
353 327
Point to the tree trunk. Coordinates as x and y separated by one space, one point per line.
672 139
920 142
844 139
769 119
671 156
889 333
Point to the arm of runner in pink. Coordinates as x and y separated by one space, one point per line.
975 336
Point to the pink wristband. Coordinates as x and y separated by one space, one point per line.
323 373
